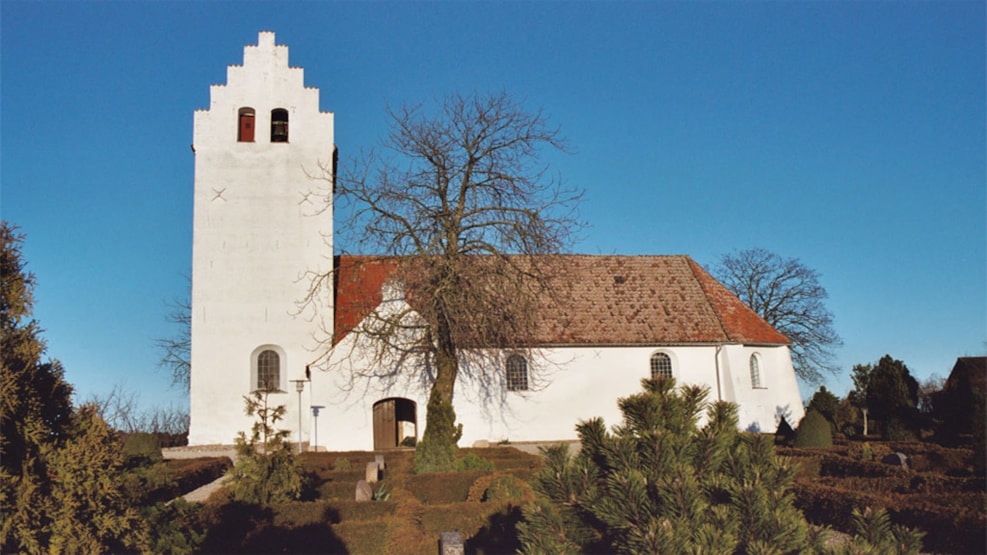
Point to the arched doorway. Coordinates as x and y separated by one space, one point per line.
394 423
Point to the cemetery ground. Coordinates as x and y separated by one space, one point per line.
938 493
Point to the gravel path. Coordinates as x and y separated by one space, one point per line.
202 493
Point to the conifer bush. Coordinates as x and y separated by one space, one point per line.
142 448
436 452
472 461
784 435
658 483
265 470
814 431
89 508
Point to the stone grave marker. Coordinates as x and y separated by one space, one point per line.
363 491
451 543
373 472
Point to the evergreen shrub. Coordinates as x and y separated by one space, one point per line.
814 431
443 487
505 487
436 452
658 483
472 461
784 435
265 470
141 448
342 465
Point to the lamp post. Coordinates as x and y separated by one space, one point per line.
299 387
315 414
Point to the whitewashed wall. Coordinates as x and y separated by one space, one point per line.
581 383
259 224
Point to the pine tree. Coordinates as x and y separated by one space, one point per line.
659 483
265 470
35 405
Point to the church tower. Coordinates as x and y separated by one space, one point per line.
262 229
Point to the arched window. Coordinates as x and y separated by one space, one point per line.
268 370
661 366
279 125
245 126
755 372
517 373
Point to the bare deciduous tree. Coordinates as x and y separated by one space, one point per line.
176 351
120 409
462 205
787 294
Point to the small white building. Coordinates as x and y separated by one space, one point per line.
263 229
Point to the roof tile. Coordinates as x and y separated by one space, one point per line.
614 300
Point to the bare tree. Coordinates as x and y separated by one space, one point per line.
463 207
176 351
120 409
787 294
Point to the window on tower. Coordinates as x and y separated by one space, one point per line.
268 371
245 127
279 125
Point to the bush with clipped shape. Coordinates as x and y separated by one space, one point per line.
814 431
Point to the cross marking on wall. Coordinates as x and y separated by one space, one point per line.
218 194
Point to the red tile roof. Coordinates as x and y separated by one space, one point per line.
615 300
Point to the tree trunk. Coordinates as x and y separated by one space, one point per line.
436 452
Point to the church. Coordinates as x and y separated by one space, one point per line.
263 230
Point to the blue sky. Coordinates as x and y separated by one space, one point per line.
849 135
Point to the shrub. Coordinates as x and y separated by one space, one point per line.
876 534
176 528
443 487
342 465
784 435
86 483
814 431
505 487
472 462
142 448
436 452
265 470
895 429
660 484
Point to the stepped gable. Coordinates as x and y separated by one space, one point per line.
611 300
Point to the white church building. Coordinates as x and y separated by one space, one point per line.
263 228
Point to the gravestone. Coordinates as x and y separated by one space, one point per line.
451 543
373 472
363 491
896 459
379 459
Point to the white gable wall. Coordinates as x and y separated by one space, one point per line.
260 223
